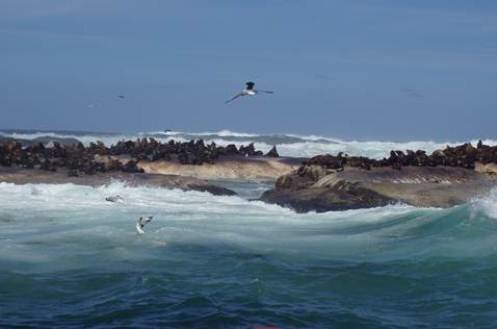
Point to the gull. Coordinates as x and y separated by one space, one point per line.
249 91
114 198
140 224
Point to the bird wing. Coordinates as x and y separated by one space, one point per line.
266 91
148 220
234 97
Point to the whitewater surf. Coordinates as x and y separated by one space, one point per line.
211 260
71 258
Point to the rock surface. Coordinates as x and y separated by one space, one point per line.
233 167
36 176
445 178
317 188
273 152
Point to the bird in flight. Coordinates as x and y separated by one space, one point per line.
249 91
140 224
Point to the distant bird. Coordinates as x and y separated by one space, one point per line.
140 224
121 96
114 198
249 91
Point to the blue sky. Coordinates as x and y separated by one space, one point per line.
352 69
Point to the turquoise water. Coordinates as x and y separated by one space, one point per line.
69 259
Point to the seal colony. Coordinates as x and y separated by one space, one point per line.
327 182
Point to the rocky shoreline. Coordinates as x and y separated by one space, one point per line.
37 176
71 154
47 160
318 189
444 178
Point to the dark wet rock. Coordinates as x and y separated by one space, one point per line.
212 189
345 195
327 161
396 165
273 152
73 173
446 177
231 150
480 144
94 148
315 188
131 167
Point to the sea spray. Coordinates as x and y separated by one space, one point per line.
69 258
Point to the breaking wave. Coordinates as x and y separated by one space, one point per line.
70 257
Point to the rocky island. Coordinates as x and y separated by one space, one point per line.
187 165
444 178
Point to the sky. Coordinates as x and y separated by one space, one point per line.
364 69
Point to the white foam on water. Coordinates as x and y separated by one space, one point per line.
71 197
486 204
65 212
222 133
46 223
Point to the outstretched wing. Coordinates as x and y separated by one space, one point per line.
142 221
234 97
266 91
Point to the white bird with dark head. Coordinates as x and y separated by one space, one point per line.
140 224
249 91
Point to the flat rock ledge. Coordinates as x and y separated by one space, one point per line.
320 189
37 176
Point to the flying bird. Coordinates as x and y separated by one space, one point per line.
249 91
140 224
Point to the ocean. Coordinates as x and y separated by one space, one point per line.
69 259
